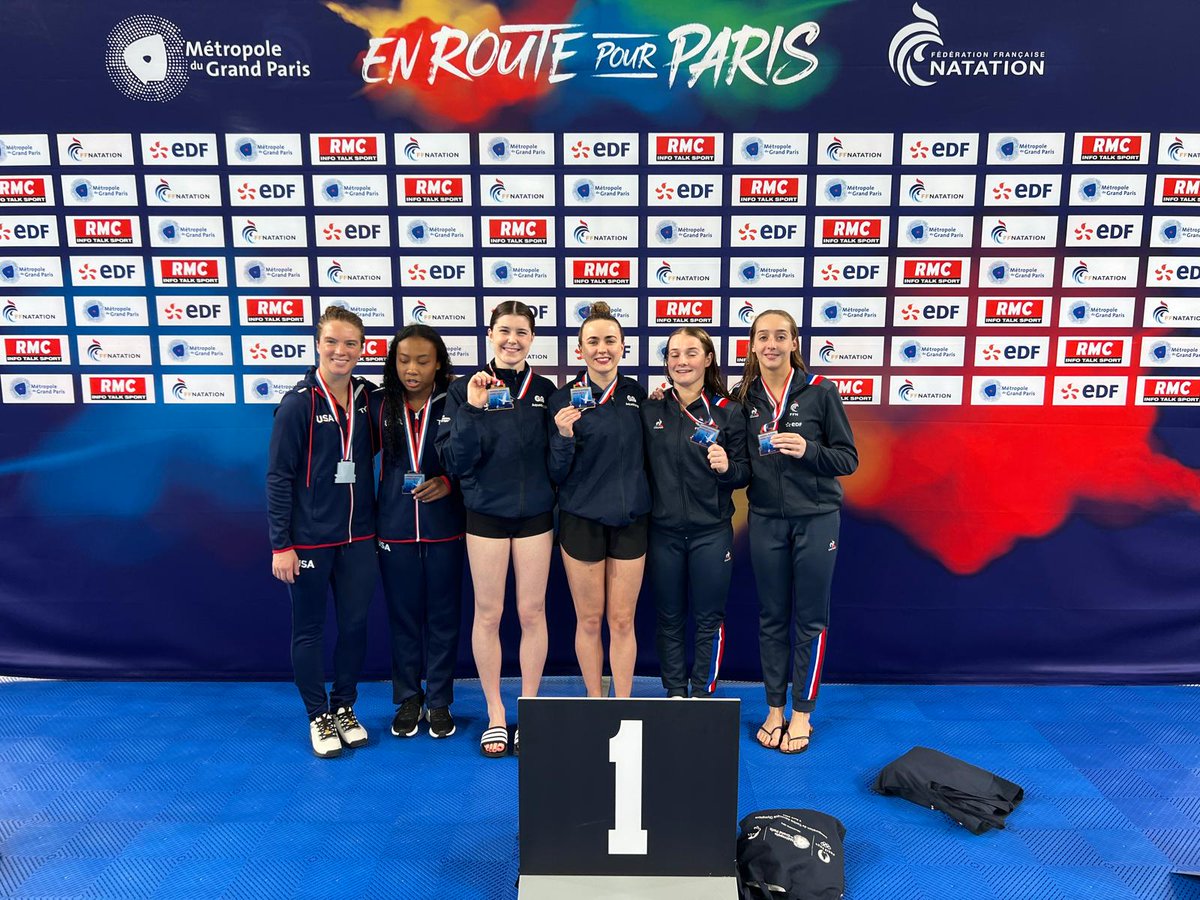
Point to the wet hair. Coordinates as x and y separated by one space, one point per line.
713 382
752 371
340 314
394 394
513 308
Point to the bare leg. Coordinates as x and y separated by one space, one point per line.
531 564
587 590
489 572
623 582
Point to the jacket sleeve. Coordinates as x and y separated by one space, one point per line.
458 441
838 455
736 448
285 464
561 449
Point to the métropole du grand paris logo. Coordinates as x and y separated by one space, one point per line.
918 56
148 59
145 59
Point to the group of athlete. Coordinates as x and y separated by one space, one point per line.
640 482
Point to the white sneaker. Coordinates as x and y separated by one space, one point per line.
323 732
349 729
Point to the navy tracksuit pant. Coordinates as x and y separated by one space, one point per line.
422 581
696 564
350 570
793 562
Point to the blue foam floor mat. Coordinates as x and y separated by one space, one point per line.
199 790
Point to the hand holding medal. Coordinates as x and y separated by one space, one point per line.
477 389
566 418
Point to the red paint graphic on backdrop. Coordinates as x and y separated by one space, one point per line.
452 100
966 489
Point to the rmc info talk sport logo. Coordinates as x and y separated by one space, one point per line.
145 59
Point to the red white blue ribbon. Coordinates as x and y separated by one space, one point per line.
778 405
347 435
608 391
707 409
524 388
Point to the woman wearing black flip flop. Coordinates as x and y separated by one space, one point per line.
800 442
493 437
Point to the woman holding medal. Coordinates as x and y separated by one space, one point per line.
321 509
493 438
603 499
696 451
800 443
419 531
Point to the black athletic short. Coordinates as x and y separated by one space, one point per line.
590 541
486 526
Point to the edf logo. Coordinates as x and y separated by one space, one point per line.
601 149
361 232
940 150
447 272
1022 190
270 191
769 232
22 232
850 272
179 150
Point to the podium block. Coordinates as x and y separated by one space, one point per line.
628 798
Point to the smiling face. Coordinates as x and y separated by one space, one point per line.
686 361
417 365
339 346
511 339
773 342
602 347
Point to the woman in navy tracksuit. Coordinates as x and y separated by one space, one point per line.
596 459
800 442
493 438
321 507
696 452
419 531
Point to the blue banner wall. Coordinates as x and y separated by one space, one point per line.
982 217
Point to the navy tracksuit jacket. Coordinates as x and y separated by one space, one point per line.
599 472
499 456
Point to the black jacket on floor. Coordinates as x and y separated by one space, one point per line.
974 797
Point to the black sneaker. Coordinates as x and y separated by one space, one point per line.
441 723
408 716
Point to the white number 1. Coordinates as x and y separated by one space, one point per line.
625 752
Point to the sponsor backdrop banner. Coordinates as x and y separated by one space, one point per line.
984 221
